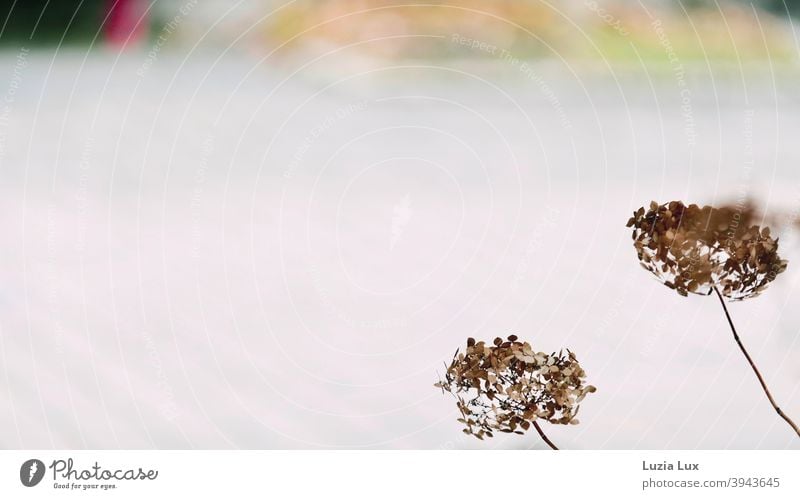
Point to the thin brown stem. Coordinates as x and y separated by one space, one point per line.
755 369
544 437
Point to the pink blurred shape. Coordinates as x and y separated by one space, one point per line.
126 23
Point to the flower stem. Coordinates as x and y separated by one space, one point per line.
755 369
544 437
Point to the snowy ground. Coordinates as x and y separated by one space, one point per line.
223 253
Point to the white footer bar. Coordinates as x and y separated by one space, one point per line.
401 474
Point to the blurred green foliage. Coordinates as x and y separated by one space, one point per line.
37 22
783 6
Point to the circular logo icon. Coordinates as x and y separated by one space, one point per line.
31 472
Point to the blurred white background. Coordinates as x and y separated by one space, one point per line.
229 244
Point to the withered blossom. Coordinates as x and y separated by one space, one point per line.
710 250
694 250
508 387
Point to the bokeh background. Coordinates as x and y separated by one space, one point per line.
267 224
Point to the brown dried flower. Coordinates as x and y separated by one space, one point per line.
508 386
694 250
706 250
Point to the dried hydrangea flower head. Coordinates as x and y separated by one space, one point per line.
508 387
693 249
710 250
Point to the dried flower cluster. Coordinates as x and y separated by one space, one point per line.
693 249
508 386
